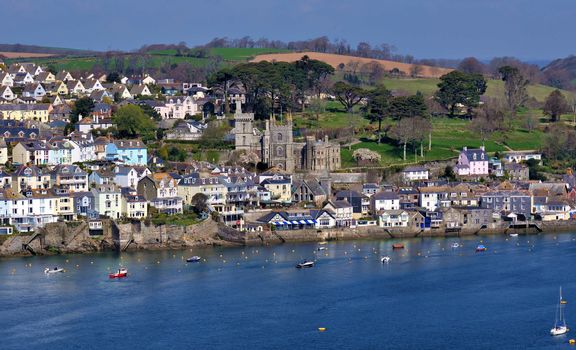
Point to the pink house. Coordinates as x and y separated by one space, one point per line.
472 162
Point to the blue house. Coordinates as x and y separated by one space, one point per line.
129 152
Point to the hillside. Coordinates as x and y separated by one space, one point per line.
335 60
20 50
495 87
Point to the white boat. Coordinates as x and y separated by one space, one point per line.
455 245
385 259
54 270
560 323
513 235
305 264
194 258
322 248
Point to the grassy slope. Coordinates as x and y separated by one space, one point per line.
495 87
157 58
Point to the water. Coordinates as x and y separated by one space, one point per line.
430 296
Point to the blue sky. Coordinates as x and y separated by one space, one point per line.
529 29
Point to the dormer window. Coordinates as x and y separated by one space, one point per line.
474 156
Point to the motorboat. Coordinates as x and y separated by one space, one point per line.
455 245
122 272
513 235
194 258
56 269
322 248
398 246
385 259
305 264
481 248
560 326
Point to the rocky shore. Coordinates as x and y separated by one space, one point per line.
75 238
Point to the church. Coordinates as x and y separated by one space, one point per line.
276 147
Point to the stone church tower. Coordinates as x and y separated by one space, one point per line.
245 137
278 145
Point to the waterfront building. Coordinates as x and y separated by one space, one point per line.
472 162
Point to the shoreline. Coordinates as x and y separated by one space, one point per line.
199 237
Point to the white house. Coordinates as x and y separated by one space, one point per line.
7 93
472 162
429 198
342 211
384 200
107 199
519 156
6 79
415 173
128 176
393 218
177 107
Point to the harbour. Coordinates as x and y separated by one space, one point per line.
431 294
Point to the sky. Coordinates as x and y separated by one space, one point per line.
527 29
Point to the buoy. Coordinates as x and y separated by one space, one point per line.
571 341
322 329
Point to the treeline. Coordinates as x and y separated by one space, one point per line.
272 87
559 74
42 49
322 44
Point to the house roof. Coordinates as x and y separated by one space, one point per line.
385 195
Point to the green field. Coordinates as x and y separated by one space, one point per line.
244 54
495 87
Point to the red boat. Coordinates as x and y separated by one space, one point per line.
122 272
398 246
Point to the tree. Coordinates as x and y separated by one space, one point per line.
416 70
458 88
555 105
199 202
374 71
530 121
223 81
378 106
348 95
83 106
449 173
489 119
113 77
366 155
404 133
514 87
132 122
408 106
471 65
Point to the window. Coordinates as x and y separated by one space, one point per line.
279 136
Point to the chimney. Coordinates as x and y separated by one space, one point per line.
482 148
465 148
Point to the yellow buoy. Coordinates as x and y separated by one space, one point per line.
321 329
572 341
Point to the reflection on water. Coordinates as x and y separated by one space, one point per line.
430 295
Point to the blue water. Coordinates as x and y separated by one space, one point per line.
429 297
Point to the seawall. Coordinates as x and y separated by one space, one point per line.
74 237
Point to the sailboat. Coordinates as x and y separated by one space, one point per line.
560 323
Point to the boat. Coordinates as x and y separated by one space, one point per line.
560 323
54 270
122 272
513 235
194 258
481 248
305 264
385 259
455 245
322 248
398 246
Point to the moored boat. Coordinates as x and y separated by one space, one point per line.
194 258
513 235
122 272
322 248
385 259
481 248
560 326
398 246
53 270
305 264
455 245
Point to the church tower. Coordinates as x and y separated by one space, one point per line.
243 129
